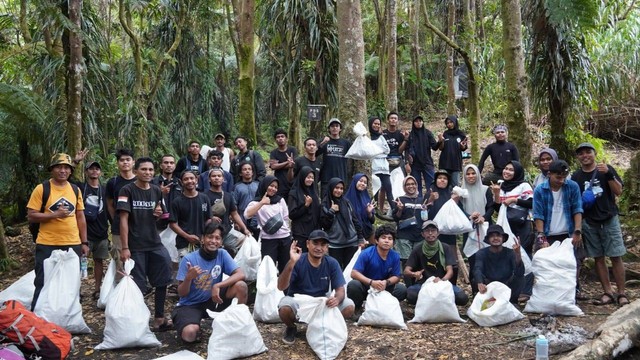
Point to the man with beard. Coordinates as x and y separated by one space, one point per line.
200 283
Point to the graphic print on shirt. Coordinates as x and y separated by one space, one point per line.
63 202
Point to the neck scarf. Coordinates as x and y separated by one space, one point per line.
208 255
430 250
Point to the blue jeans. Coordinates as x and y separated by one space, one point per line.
420 173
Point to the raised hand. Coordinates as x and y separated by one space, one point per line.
335 207
295 251
308 200
193 271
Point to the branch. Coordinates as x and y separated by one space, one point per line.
233 34
136 45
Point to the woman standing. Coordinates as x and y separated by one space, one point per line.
363 208
379 164
273 218
340 222
304 206
546 157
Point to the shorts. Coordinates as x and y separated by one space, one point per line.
192 314
99 249
405 247
291 302
154 265
603 239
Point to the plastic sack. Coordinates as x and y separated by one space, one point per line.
363 148
233 241
347 270
168 238
234 334
268 296
382 309
10 352
181 355
59 300
554 292
493 307
22 290
475 241
108 284
502 221
451 219
248 258
436 303
464 193
127 316
326 329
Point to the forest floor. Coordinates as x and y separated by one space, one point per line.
421 341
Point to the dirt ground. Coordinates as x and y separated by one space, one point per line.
421 341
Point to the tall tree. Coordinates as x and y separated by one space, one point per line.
516 79
391 92
451 29
75 75
243 36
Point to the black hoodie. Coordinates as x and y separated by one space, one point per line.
451 151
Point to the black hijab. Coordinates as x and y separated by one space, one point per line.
518 177
420 140
455 131
444 195
374 134
299 190
262 189
343 215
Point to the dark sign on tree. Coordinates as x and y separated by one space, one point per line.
315 112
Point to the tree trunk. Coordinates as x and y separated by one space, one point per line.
4 253
391 93
451 91
352 101
630 200
244 11
516 80
381 16
474 87
417 92
75 76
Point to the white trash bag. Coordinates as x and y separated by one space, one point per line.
234 334
248 258
127 316
108 284
363 148
502 221
436 303
268 296
382 309
554 292
22 290
181 355
493 307
475 241
326 329
347 270
451 219
59 300
168 238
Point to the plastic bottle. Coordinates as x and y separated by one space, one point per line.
83 267
542 348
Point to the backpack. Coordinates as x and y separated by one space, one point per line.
92 211
33 334
34 228
588 196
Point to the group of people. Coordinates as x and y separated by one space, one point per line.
312 220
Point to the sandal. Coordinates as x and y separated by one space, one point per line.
623 303
605 299
165 326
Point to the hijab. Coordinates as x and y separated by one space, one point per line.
444 195
374 134
518 177
299 190
477 199
404 187
343 215
552 153
359 200
455 131
262 189
420 140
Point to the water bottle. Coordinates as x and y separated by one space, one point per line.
542 348
83 267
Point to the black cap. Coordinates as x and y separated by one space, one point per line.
92 163
319 235
559 167
585 145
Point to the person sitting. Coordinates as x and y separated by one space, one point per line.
377 267
200 284
433 258
311 273
498 263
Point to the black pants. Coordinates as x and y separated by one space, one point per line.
43 252
278 249
343 255
358 292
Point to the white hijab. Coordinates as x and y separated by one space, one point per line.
477 199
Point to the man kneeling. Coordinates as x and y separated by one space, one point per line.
311 274
200 284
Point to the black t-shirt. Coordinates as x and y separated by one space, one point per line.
501 153
605 206
394 140
186 163
281 174
191 214
334 164
432 267
99 228
217 210
175 190
451 154
114 185
302 161
140 204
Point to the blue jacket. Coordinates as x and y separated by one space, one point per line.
543 203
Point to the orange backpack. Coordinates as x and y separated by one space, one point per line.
33 334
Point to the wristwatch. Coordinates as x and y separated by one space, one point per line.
577 232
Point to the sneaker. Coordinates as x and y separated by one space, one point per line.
289 335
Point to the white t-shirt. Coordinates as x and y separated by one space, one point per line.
558 224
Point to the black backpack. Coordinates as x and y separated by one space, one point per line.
34 228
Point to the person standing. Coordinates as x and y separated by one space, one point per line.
246 155
545 158
244 193
421 142
139 206
281 161
114 185
501 153
380 164
397 141
227 153
60 216
97 220
304 206
193 160
215 160
600 223
333 149
452 142
169 185
309 159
